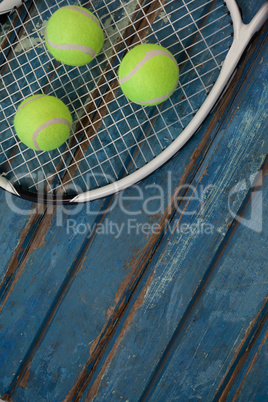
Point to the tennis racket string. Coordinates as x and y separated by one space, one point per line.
111 137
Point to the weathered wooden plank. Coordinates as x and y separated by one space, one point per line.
40 373
159 310
38 241
43 272
248 380
96 268
16 234
159 178
11 224
50 281
225 321
253 384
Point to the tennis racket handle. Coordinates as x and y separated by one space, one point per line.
259 19
243 33
8 5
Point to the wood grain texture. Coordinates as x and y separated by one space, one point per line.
227 326
253 378
122 271
171 315
181 263
12 224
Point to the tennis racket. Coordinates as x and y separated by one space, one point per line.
114 143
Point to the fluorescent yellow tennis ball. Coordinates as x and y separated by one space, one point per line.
148 74
74 36
43 122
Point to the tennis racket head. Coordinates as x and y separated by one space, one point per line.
114 143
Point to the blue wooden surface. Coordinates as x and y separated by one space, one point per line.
176 315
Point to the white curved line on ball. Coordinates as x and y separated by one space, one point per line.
157 100
81 48
148 56
48 123
29 101
79 10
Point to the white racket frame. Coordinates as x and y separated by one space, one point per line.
9 5
243 33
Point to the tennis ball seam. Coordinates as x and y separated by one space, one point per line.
56 120
148 56
31 100
157 100
81 48
84 12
